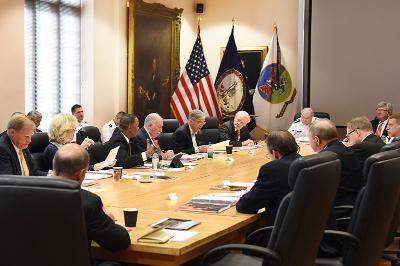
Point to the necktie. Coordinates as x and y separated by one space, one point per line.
379 129
194 141
238 135
24 169
130 147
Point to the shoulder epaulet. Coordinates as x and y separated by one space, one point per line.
297 120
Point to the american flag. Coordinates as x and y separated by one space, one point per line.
195 89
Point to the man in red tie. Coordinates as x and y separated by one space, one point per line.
379 123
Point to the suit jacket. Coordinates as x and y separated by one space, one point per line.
127 157
227 132
99 227
369 146
140 141
9 162
375 123
271 186
182 140
351 180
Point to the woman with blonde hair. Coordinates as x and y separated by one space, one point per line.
61 131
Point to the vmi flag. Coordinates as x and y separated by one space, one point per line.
195 89
274 95
230 83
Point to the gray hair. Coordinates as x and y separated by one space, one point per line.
360 122
306 111
34 114
325 129
196 114
387 106
151 118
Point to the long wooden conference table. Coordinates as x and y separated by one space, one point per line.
152 201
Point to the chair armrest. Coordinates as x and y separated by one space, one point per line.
344 207
258 231
346 238
261 252
391 251
343 220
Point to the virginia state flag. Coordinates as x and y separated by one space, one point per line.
230 83
274 99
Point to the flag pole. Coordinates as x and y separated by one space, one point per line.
198 25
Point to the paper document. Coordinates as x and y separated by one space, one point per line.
220 146
94 175
181 236
109 161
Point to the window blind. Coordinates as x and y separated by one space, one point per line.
52 56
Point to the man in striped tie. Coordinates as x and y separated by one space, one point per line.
15 158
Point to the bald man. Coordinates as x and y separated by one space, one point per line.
236 131
324 136
71 162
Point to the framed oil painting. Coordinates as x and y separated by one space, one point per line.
153 57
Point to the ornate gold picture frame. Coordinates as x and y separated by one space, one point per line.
153 57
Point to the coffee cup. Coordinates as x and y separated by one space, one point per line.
130 216
117 173
229 149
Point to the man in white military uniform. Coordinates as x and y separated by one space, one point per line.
107 129
300 126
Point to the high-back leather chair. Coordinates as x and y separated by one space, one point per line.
91 132
170 125
210 130
372 218
391 146
165 138
316 114
300 220
42 222
38 144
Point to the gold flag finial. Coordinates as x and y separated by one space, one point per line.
198 24
233 21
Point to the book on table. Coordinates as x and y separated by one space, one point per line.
156 236
208 203
175 224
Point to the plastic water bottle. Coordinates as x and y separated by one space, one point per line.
155 159
210 152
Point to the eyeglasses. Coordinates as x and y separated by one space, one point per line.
348 135
381 110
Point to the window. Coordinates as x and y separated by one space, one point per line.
52 56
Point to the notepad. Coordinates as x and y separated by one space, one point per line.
156 236
175 224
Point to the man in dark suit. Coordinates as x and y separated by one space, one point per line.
188 138
362 139
394 128
151 129
272 180
323 136
236 131
379 123
123 136
15 158
71 162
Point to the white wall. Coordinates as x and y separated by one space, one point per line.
11 59
354 59
104 59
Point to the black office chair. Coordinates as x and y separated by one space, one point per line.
210 130
98 152
42 222
92 132
372 218
300 220
316 114
170 125
38 144
165 141
391 146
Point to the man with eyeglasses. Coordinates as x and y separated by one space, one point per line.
362 139
393 128
188 138
379 123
